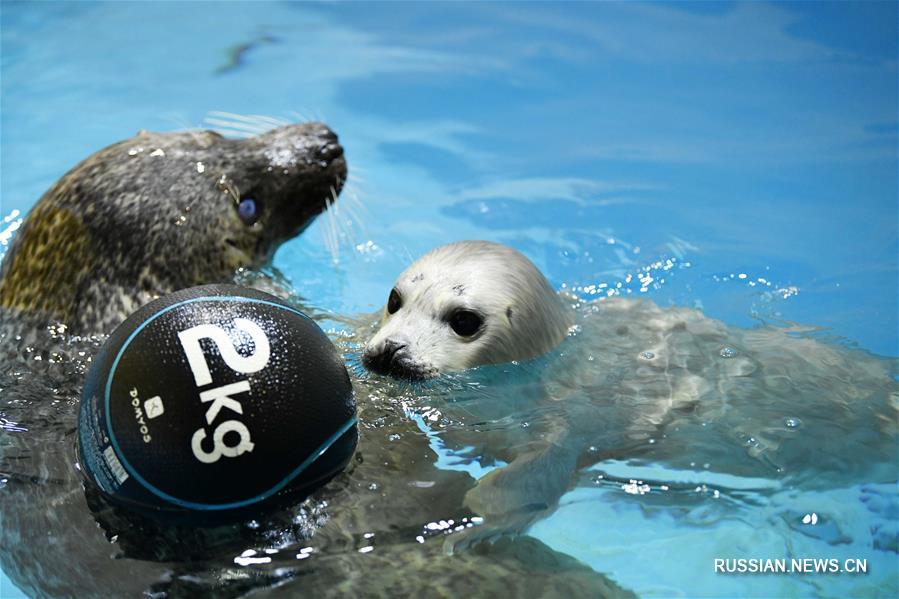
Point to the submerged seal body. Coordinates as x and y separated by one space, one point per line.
145 217
612 385
160 212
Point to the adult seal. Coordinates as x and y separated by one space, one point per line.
139 219
143 218
164 211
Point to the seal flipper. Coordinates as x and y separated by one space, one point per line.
512 498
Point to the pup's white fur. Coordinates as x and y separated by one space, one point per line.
645 368
523 315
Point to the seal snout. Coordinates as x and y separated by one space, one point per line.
382 359
306 146
392 358
330 148
302 173
325 148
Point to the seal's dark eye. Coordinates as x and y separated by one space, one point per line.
248 211
465 322
394 302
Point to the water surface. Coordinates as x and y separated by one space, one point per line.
743 155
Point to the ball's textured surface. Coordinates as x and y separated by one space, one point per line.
214 399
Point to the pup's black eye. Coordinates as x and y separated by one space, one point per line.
394 302
248 210
465 322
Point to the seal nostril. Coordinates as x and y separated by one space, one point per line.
329 135
330 151
393 350
319 130
383 361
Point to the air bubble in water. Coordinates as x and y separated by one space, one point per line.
727 352
792 423
647 355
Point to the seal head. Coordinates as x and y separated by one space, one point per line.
462 305
160 212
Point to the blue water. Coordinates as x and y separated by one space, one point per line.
754 145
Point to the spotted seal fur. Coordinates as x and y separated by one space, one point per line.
160 212
142 218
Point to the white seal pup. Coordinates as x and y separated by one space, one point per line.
463 305
636 380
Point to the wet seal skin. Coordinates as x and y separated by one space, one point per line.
164 211
612 384
136 220
140 219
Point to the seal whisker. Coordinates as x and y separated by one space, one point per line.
183 124
237 125
344 224
231 133
255 120
330 231
195 135
231 127
353 207
335 213
346 220
343 229
272 120
97 289
326 228
409 257
357 202
186 126
299 116
242 126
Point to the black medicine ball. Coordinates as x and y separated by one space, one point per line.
213 399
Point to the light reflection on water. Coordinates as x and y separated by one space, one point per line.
700 427
781 427
605 141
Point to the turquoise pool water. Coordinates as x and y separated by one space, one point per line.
745 153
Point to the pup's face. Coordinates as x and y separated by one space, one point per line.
463 305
